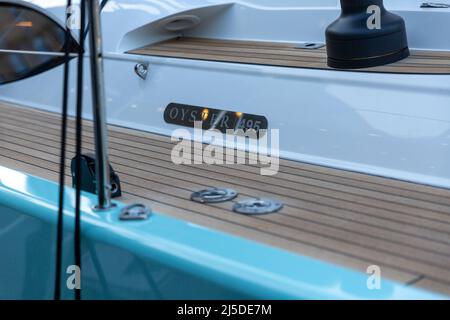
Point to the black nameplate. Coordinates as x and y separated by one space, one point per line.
222 120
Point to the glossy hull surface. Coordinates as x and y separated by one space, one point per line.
161 258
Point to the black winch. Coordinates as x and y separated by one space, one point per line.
88 177
365 35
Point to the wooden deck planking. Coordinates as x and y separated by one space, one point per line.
327 216
284 55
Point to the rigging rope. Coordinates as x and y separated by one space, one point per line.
102 5
62 165
78 151
78 138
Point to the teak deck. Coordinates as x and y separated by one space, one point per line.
346 218
284 55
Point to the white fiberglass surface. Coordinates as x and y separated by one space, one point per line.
389 125
267 20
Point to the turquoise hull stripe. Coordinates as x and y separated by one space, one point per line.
238 267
